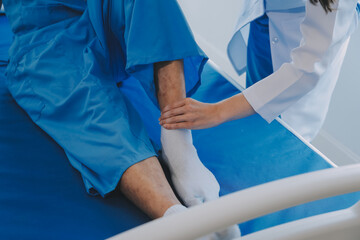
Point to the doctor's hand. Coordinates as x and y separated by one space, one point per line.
191 114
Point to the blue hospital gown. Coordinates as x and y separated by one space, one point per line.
66 60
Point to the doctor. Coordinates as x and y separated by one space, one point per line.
300 88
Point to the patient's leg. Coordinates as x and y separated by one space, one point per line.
146 186
193 181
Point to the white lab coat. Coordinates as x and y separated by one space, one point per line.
305 76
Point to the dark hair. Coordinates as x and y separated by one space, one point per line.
326 4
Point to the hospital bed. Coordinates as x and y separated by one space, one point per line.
268 187
43 197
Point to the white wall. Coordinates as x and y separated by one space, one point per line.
340 135
213 22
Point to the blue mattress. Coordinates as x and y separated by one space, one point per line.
43 197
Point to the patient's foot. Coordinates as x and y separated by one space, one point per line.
193 182
227 234
175 209
230 233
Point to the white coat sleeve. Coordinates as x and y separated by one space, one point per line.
322 37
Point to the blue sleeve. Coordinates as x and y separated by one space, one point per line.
5 39
157 31
153 31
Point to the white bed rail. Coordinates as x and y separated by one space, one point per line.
249 204
337 225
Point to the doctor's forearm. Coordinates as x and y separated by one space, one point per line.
234 108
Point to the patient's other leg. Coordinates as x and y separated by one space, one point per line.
192 180
146 186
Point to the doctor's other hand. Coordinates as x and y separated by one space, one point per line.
190 114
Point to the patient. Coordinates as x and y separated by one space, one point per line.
65 62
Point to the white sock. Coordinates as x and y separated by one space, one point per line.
227 234
193 182
174 209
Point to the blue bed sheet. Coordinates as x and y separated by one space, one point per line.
43 197
248 152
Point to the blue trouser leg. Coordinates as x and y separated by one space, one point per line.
72 95
259 63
